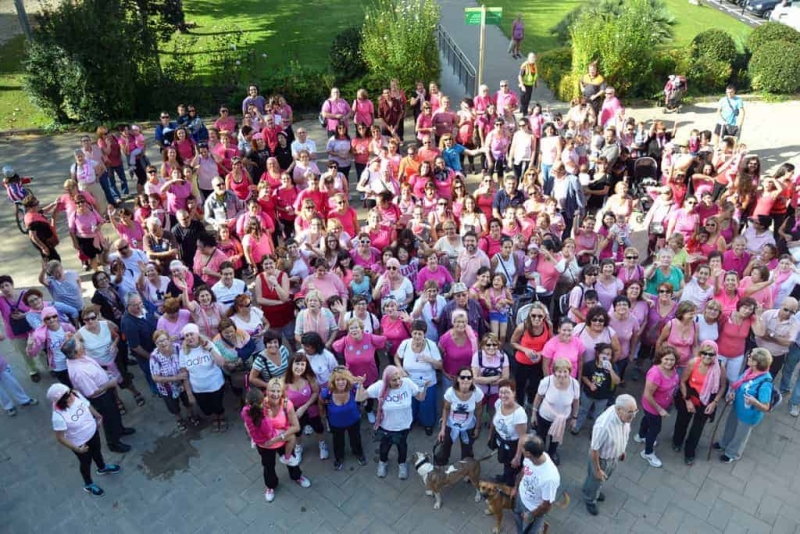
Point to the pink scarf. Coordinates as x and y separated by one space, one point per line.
711 385
780 278
746 377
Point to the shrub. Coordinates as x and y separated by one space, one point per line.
345 55
661 19
567 87
714 44
306 88
771 32
553 65
775 67
708 75
399 40
369 82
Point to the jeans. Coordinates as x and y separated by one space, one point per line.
424 412
593 485
735 437
123 180
534 527
585 408
354 431
649 429
111 198
106 405
144 365
9 387
733 367
547 181
85 458
792 359
268 458
683 419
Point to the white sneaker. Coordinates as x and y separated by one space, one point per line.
794 410
291 462
303 482
382 469
323 451
371 418
269 495
652 459
308 430
298 451
637 439
402 471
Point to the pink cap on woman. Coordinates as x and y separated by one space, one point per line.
57 391
49 311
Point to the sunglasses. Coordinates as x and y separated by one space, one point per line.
537 316
465 378
491 345
390 268
365 241
90 318
707 354
631 257
50 317
665 291
598 320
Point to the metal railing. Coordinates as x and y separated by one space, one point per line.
462 67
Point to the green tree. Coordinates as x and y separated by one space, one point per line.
399 40
661 19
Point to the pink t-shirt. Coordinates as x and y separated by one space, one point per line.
441 276
258 248
665 386
173 329
732 337
454 356
549 274
85 225
359 356
625 330
395 331
571 351
607 292
177 195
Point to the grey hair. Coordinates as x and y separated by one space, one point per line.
51 266
130 296
624 401
70 348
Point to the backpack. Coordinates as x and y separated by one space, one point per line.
490 371
775 398
563 301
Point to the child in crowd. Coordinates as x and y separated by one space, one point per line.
360 284
599 380
622 232
500 301
260 428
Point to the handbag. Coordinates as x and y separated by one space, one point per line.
19 326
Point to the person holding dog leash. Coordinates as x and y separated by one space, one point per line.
536 488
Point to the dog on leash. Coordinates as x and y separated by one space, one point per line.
436 478
499 497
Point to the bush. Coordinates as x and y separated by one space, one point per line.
567 87
661 19
714 44
775 67
345 55
770 32
708 75
306 88
553 65
399 40
371 83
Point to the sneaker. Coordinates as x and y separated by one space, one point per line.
716 446
31 402
269 495
651 458
794 411
307 430
303 482
638 439
94 489
725 459
109 469
382 469
371 418
337 465
362 461
688 460
298 451
592 508
119 447
12 412
402 471
323 451
292 461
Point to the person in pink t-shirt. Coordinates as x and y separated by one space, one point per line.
564 345
84 228
661 381
433 271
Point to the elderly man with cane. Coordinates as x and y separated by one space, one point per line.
609 438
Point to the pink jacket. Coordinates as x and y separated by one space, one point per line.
37 340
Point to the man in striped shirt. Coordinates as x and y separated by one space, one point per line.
609 439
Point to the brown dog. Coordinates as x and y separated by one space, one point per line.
436 478
499 497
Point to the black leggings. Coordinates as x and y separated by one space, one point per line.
354 432
542 428
443 453
682 424
389 438
268 458
527 378
85 458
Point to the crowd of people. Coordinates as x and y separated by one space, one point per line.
520 305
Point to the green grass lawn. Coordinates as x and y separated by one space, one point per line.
541 15
16 110
283 29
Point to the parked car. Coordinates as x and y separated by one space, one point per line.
787 14
763 8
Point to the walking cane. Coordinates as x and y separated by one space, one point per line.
714 432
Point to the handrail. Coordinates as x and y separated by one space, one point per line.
462 67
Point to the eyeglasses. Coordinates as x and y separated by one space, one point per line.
90 318
50 317
598 320
537 316
664 291
465 378
707 354
631 257
390 268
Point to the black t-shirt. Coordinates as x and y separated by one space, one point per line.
595 202
600 378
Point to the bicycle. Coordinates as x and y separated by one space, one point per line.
16 192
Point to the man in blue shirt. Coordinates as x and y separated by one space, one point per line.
165 131
508 196
731 116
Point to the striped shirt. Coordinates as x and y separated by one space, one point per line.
610 435
269 370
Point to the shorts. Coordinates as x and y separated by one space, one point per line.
314 421
500 317
174 404
726 130
86 246
211 403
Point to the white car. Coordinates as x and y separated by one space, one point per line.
787 14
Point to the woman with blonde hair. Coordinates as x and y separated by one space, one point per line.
528 339
555 404
490 366
337 402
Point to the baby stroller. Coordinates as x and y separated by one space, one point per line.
674 91
645 175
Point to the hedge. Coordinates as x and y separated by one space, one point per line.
553 66
714 44
775 67
770 32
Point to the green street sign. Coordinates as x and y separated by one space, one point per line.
472 15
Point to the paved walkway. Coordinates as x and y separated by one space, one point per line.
499 65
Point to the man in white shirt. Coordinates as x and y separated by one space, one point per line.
228 287
537 486
609 439
302 142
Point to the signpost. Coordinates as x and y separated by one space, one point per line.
482 16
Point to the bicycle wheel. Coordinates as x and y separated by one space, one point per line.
20 214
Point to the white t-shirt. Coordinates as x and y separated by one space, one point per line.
56 338
539 483
156 294
225 295
419 372
322 365
697 295
397 405
505 425
705 331
462 413
76 421
402 293
98 346
557 401
253 326
204 374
